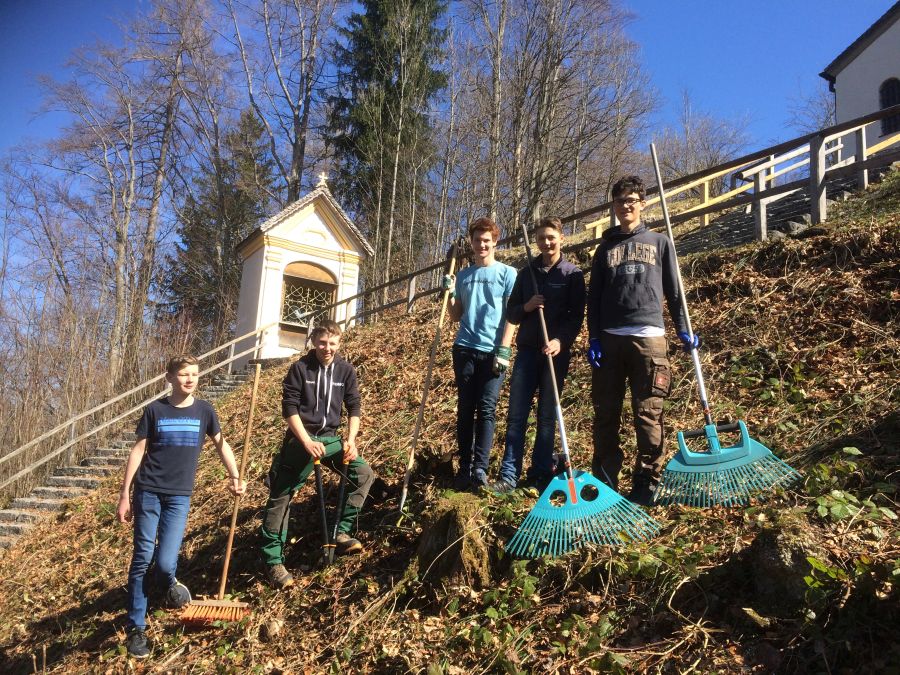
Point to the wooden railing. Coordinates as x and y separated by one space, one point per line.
821 152
111 411
758 172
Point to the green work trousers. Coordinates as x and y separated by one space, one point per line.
290 469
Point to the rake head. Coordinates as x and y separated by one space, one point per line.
206 612
557 524
722 476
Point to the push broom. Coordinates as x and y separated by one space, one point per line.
426 387
575 509
718 475
205 612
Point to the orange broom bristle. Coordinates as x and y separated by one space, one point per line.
205 612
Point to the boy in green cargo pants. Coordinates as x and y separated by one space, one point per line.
316 387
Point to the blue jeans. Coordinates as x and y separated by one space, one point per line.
478 389
530 373
159 521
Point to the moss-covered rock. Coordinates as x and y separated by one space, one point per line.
452 548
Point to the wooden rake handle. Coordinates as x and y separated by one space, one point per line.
426 387
237 498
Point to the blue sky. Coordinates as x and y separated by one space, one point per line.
732 61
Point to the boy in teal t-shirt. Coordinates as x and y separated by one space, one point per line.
481 351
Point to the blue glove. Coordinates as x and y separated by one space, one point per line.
594 353
689 344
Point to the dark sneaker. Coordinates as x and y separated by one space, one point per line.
643 492
479 481
500 487
279 577
462 481
137 644
538 483
347 545
177 596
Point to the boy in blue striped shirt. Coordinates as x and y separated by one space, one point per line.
162 468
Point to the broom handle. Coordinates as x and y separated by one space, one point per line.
564 443
426 387
237 498
701 386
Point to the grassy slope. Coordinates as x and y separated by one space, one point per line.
800 341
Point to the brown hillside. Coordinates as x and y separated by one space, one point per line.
800 340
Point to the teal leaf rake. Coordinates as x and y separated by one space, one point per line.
600 516
716 475
575 509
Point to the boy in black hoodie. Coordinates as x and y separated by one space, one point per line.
633 269
315 388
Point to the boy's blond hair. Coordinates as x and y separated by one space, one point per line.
327 326
176 363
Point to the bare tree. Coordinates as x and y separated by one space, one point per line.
283 72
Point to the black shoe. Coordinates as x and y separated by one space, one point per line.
462 481
177 596
500 487
643 492
538 483
479 481
137 644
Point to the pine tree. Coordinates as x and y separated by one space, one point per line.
203 275
379 128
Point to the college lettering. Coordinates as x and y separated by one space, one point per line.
632 251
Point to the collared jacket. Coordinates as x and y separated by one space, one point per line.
630 275
563 289
316 393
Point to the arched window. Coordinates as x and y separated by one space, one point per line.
307 290
889 94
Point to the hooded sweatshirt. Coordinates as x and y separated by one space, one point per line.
630 274
316 393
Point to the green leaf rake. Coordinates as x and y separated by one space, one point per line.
716 475
575 509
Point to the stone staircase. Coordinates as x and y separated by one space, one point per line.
69 482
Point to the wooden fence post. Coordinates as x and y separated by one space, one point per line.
818 206
704 195
410 294
862 177
760 225
230 357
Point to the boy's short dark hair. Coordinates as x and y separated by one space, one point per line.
628 184
551 221
484 224
326 326
176 363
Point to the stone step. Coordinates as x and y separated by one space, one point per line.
74 482
85 471
38 504
14 529
110 452
57 492
105 461
7 542
18 516
129 436
121 444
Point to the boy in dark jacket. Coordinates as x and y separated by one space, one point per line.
560 293
633 269
315 388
